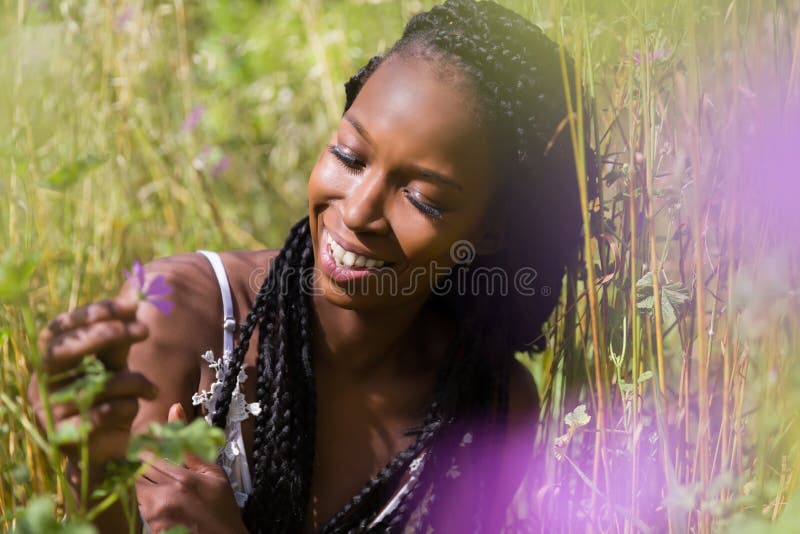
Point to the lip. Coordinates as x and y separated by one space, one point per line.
344 274
357 249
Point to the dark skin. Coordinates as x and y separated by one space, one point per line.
406 136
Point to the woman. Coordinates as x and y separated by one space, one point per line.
373 384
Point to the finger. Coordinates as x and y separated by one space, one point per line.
197 465
117 413
123 309
162 471
127 385
145 480
176 413
67 349
109 433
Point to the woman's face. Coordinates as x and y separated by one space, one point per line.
406 175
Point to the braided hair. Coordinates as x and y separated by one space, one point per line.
513 69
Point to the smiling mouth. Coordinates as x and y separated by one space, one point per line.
348 259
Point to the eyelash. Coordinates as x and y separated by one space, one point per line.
350 164
426 209
353 166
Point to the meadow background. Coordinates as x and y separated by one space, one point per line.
145 128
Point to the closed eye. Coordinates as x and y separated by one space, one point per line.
350 163
431 211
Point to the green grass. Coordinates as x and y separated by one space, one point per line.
680 333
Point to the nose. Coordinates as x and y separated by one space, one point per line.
363 208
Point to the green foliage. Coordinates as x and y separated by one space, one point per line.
16 270
68 174
39 517
92 378
172 440
673 298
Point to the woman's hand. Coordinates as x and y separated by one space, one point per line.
196 495
106 329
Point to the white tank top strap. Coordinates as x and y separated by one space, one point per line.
228 320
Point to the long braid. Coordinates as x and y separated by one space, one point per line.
308 433
279 489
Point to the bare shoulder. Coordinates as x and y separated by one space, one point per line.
247 271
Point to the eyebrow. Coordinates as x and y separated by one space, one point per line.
359 128
426 173
444 180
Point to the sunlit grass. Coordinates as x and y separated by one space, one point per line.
137 131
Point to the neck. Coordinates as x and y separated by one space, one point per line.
365 344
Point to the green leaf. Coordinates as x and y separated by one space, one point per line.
644 377
613 176
71 172
646 304
117 476
645 282
171 440
673 298
16 270
668 315
67 433
577 417
83 390
39 517
19 474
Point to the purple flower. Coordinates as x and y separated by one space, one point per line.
193 118
153 291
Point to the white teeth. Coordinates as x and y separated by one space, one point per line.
346 258
338 253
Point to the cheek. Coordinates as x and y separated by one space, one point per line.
446 242
422 244
328 182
